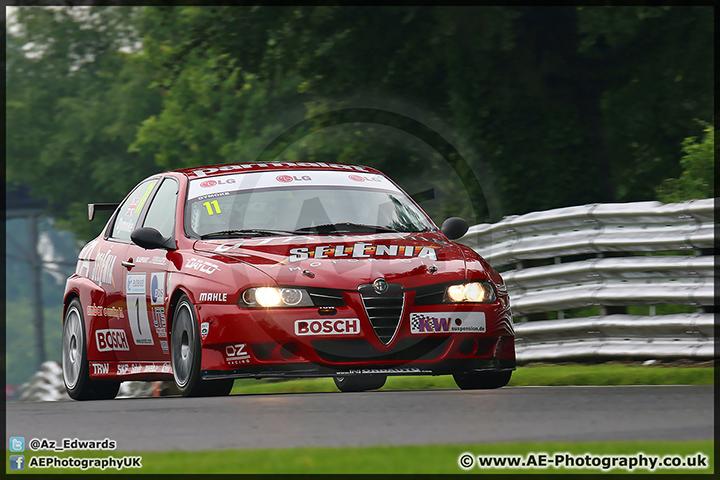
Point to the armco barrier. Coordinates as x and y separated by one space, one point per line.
610 256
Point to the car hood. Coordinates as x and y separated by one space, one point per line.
346 261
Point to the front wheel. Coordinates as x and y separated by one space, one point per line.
75 367
186 355
482 380
360 383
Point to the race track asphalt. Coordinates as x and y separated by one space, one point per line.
414 417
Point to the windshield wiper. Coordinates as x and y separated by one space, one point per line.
345 227
246 232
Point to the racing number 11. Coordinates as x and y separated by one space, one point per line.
209 206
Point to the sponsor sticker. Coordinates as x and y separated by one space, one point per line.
341 326
447 322
103 268
95 311
212 183
202 265
159 316
293 178
237 354
366 371
111 339
137 309
228 246
204 172
213 297
157 288
204 329
83 265
164 346
141 367
201 189
100 368
363 250
114 312
158 260
135 284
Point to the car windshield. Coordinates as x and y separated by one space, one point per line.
301 207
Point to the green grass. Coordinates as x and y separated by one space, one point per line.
600 374
384 459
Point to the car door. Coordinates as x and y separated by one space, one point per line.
147 275
120 308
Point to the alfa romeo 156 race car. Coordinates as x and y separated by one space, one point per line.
209 274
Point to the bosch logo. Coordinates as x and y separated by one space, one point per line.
346 326
357 178
111 339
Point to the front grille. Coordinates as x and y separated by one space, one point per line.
430 294
384 310
359 350
326 297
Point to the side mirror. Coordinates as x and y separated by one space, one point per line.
149 238
455 227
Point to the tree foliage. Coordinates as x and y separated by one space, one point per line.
698 177
75 101
547 106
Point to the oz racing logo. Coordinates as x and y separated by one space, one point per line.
236 354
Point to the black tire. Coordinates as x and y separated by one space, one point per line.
482 380
75 366
360 383
185 349
186 355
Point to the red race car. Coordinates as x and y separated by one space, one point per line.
282 269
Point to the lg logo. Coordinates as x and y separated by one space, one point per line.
293 178
212 183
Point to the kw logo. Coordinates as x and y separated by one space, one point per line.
447 322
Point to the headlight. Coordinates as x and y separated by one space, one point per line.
481 291
268 297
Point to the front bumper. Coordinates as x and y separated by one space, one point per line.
256 343
305 370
